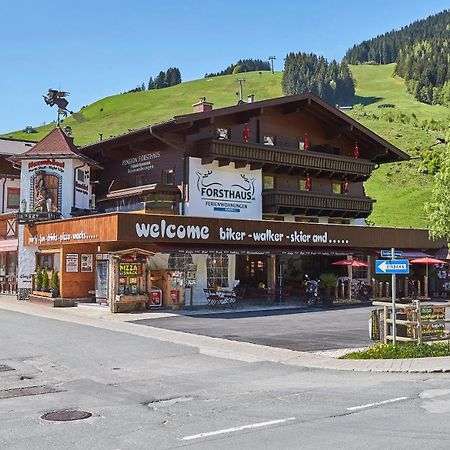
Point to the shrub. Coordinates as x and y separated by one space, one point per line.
328 280
54 283
45 280
38 279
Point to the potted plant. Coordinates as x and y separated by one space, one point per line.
328 281
45 281
54 284
38 279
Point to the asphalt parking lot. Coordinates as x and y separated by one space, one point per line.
303 329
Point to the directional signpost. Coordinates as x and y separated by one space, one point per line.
392 267
388 253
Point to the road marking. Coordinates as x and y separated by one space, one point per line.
234 429
384 402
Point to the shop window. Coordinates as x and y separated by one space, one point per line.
223 133
268 182
217 270
306 219
179 261
13 198
46 260
140 180
168 177
336 187
270 140
273 217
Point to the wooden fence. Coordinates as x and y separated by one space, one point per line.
415 322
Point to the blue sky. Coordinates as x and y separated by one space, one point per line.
98 48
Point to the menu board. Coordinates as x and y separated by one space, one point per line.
72 262
129 269
433 330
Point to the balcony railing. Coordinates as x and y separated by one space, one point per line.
308 203
286 160
36 216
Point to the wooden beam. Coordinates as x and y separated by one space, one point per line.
207 160
224 162
240 164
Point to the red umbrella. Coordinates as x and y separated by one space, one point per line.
352 263
427 260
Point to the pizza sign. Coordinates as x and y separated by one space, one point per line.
130 269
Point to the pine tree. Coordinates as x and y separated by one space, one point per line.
151 84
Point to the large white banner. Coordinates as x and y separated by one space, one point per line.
223 191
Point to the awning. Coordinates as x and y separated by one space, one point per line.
140 191
8 245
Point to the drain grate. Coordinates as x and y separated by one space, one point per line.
66 415
27 391
5 368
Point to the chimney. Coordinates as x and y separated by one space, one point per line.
251 98
202 105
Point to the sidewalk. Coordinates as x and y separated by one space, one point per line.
101 317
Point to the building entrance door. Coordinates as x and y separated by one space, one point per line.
251 270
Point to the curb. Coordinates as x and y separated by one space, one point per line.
224 348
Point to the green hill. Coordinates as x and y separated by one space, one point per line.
400 188
117 114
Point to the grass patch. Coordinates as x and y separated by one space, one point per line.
401 351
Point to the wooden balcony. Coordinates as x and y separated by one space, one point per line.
315 204
283 160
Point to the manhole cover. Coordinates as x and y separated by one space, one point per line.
5 368
66 415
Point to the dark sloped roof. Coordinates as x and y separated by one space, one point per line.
55 144
308 100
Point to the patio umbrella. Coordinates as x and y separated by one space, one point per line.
427 261
352 263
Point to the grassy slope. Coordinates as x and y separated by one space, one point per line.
400 190
136 110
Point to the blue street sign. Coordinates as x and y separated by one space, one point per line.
388 254
392 266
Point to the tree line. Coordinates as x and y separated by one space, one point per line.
243 65
421 51
170 77
332 81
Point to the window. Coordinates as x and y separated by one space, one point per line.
81 175
217 270
307 219
179 262
168 177
140 180
13 198
268 182
304 184
270 140
301 145
340 221
223 133
273 217
336 187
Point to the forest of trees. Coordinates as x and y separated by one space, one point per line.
331 81
243 65
421 51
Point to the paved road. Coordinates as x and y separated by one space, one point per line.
298 329
145 394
